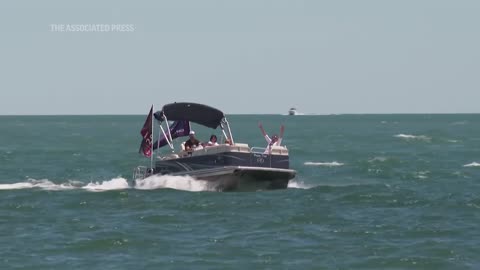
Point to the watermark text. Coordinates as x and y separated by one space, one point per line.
92 28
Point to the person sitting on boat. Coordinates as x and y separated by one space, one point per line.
212 141
192 142
274 141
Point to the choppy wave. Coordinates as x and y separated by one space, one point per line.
413 137
378 159
421 174
299 184
473 164
325 164
459 123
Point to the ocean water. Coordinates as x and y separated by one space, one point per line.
372 192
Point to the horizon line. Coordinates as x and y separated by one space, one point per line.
283 114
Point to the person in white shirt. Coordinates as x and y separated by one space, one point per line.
212 141
275 140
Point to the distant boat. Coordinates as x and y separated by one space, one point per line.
292 111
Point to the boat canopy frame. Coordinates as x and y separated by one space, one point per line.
194 112
197 113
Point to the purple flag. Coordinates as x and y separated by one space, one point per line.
177 129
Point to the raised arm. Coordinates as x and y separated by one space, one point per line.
282 130
261 129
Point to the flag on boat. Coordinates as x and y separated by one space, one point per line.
177 129
147 133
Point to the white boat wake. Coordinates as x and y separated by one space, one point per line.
299 184
185 183
45 184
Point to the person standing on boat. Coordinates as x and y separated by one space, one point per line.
192 142
274 141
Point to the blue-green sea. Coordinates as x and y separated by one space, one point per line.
372 192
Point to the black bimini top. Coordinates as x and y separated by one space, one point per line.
193 112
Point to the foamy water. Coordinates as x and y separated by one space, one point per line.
154 182
298 184
114 184
186 183
45 184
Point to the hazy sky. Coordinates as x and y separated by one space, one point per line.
245 56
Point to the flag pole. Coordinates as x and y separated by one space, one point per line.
151 144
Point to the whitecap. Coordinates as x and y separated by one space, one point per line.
378 159
421 174
325 164
473 164
413 137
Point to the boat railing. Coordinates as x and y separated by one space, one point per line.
276 150
140 172
257 150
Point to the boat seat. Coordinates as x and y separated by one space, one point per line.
171 156
240 147
241 144
279 150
